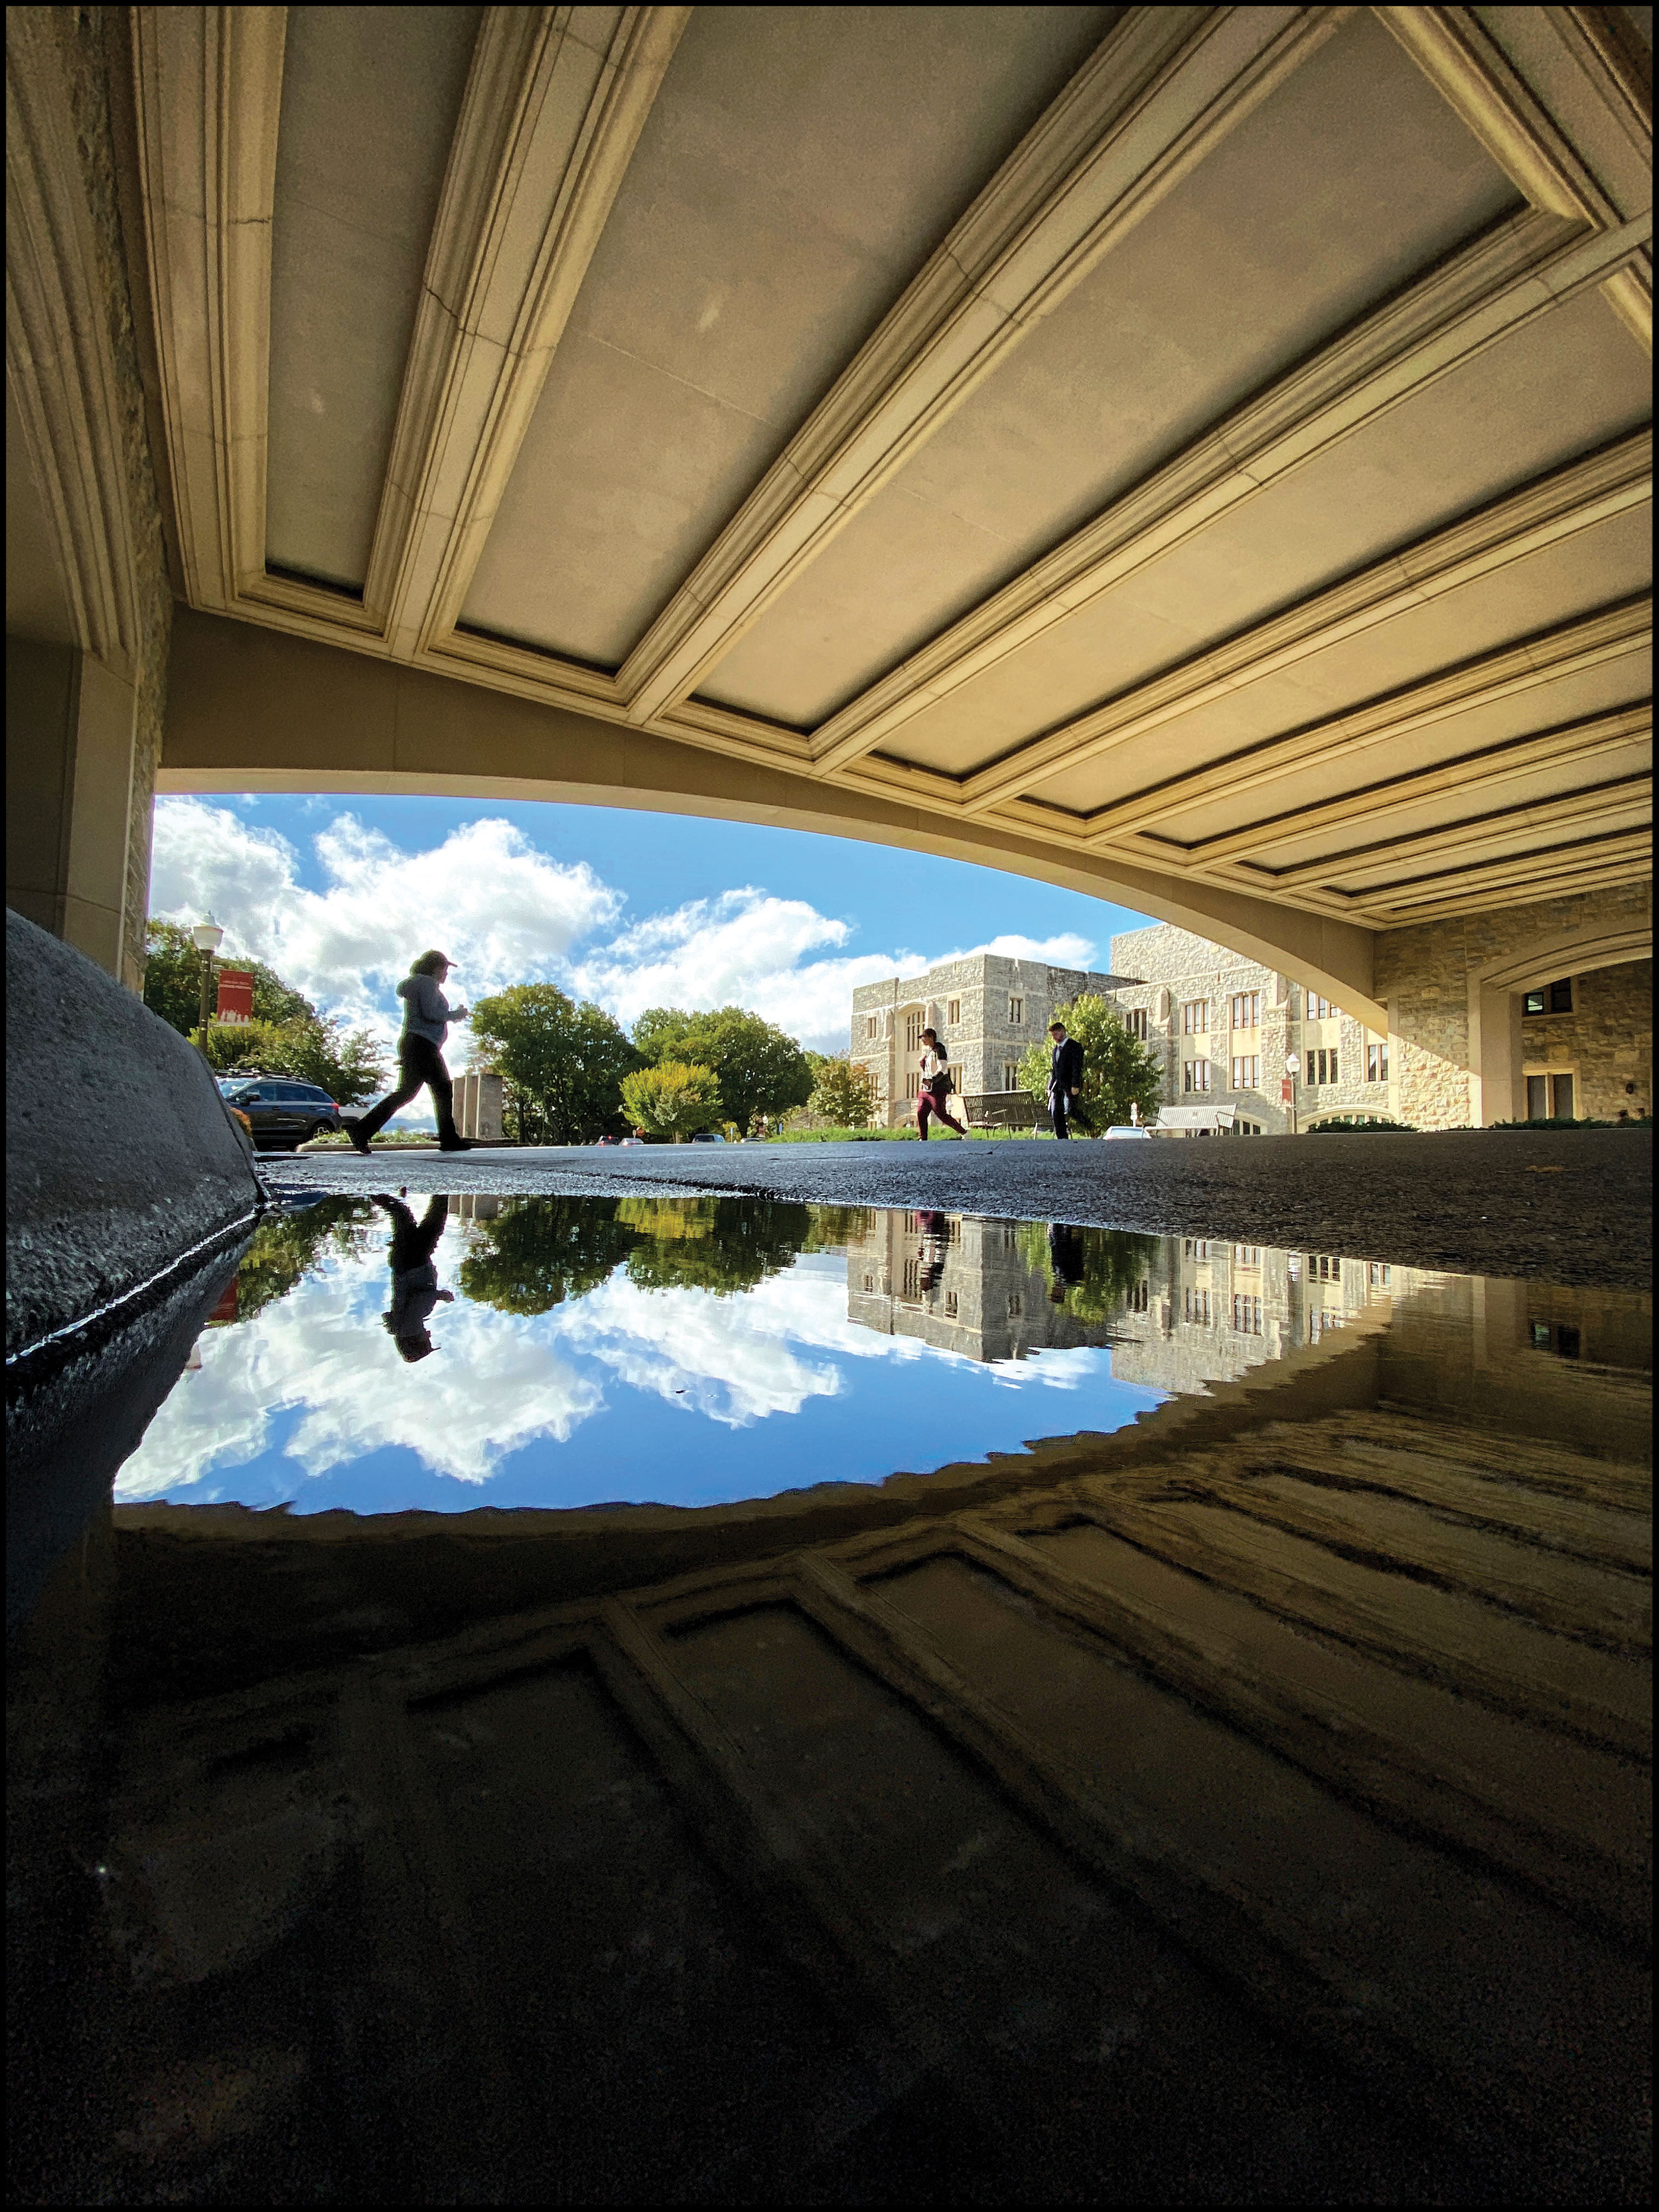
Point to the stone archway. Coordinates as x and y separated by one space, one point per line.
1496 1047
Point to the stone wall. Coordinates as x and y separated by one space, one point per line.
1606 1041
92 47
1425 975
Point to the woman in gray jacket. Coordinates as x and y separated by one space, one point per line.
427 1016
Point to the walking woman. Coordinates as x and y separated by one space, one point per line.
935 1086
427 1016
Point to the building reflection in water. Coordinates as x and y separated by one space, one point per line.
1177 1311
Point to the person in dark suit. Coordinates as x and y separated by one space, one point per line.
1066 1081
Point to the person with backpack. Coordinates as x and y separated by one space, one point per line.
935 1086
1066 1081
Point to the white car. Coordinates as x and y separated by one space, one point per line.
623 1142
1125 1130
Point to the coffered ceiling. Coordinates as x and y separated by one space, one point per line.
1217 440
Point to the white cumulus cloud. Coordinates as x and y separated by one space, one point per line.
506 912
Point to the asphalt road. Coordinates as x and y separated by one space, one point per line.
1553 1206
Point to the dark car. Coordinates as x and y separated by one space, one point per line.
282 1112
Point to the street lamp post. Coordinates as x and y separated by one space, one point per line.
209 937
1292 1068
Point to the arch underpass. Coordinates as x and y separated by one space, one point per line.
1201 456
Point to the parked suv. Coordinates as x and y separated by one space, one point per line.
282 1112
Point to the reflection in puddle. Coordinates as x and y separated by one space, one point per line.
383 1356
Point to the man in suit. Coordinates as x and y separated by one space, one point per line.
1066 1080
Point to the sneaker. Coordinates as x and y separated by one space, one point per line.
355 1131
455 1144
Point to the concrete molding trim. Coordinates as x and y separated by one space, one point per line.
1576 953
1558 874
548 121
1163 88
208 88
1541 514
60 362
1605 636
1579 744
1523 268
1465 64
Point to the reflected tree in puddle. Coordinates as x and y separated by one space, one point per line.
288 1247
535 1256
722 1245
1094 1274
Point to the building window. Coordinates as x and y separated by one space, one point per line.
1010 1238
1247 1315
1195 1306
953 1010
1321 1322
1009 1076
1195 1017
1017 1012
1554 999
1324 1267
1563 1340
1247 1009
1135 1020
912 1280
912 1027
869 1282
1322 1065
1194 1248
1316 1009
1015 1305
1141 1296
1247 1070
1195 1075
1376 1063
873 1025
1379 1276
949 1305
1247 1256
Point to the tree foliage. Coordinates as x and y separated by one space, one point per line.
718 1244
536 1254
563 1059
760 1069
672 1099
348 1064
286 1248
1095 1270
1118 1070
843 1094
173 981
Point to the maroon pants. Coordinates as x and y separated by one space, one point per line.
931 1102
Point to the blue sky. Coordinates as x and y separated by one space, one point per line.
631 909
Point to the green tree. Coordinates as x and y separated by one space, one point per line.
286 1248
1112 1262
173 981
562 1059
1118 1070
672 1099
759 1068
842 1094
348 1064
718 1244
536 1254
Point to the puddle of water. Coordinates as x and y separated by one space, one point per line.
447 1354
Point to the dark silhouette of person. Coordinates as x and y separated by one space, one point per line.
935 1244
427 1016
1065 1260
1066 1081
414 1275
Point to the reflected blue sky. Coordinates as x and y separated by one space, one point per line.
674 1396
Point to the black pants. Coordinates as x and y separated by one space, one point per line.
419 1062
1063 1109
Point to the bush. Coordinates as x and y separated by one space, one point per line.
1566 1122
1359 1121
907 1133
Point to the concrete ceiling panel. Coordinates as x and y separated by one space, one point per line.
1213 734
1351 177
798 166
369 101
1563 386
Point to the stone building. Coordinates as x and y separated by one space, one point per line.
1225 1025
963 1285
988 1009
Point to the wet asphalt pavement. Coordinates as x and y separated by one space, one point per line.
1553 1206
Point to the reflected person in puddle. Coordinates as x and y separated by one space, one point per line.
414 1275
1065 1260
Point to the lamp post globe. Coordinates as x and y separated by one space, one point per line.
208 938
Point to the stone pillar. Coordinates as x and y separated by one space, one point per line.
478 1104
70 724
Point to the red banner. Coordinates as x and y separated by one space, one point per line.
235 995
